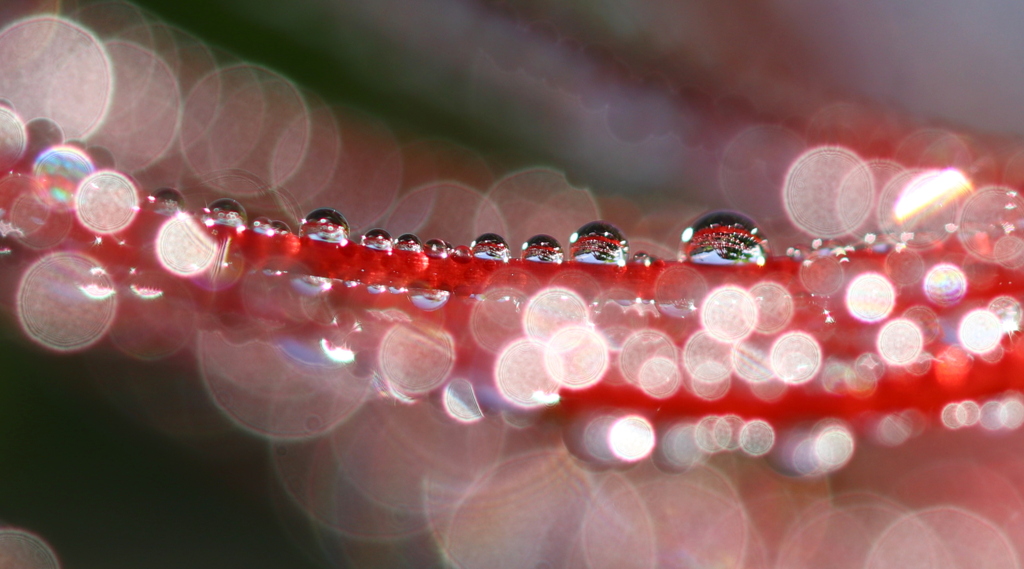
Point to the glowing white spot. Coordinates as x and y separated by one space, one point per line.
339 354
980 331
145 292
631 438
870 297
97 292
930 188
833 447
184 247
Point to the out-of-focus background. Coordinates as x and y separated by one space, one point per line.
638 101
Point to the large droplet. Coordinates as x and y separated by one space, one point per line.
378 240
724 238
224 211
491 247
436 249
599 242
166 201
542 249
408 242
325 224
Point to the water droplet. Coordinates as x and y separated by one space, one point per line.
224 211
542 249
262 225
462 254
408 242
281 227
166 201
724 238
428 299
436 249
599 242
378 240
491 247
642 258
325 224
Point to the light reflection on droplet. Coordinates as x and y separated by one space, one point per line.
929 189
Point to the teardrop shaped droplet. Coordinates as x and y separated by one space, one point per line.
491 247
436 249
224 211
166 201
378 240
599 242
408 242
724 238
325 224
542 249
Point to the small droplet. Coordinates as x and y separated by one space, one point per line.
408 242
542 249
436 249
642 258
462 254
224 211
599 242
262 225
378 240
166 201
327 225
491 247
724 238
281 227
428 299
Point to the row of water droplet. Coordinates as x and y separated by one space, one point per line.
718 238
